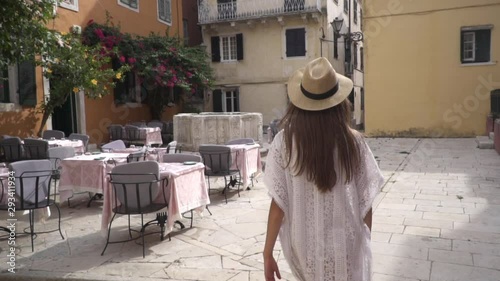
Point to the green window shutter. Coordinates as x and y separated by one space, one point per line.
239 46
237 100
27 83
483 45
215 45
4 86
217 100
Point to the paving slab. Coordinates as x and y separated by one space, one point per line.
438 218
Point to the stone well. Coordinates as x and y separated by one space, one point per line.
191 129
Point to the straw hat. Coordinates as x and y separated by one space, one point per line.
317 86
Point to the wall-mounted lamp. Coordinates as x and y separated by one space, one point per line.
349 36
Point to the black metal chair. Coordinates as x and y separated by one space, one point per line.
135 135
49 134
218 162
84 138
167 132
174 147
33 191
274 125
36 149
12 149
136 186
116 132
136 157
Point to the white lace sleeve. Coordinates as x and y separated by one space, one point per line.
369 179
275 178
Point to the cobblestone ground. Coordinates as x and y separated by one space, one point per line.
438 218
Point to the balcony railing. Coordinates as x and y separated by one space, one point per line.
211 11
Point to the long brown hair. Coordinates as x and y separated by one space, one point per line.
318 135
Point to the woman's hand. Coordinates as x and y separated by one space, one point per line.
271 267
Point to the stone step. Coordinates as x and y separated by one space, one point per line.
484 142
492 135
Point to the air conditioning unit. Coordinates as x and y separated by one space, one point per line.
495 102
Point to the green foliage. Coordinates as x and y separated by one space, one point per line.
161 62
72 67
24 32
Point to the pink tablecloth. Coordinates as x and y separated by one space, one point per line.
86 174
152 153
186 191
247 159
76 144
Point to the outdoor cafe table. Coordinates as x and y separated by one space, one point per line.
246 157
186 191
86 173
76 144
152 153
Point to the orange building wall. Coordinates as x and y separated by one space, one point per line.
25 122
102 112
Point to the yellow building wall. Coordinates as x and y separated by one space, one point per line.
415 83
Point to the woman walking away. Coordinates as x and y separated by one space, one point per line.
322 178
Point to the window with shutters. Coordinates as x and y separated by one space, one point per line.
475 45
131 4
69 4
228 47
18 86
185 30
346 6
295 42
355 56
226 100
165 11
126 91
4 86
361 59
355 11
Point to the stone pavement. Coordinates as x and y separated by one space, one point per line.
438 218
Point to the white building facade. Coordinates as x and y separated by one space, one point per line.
256 45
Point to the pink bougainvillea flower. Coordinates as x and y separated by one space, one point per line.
170 84
122 59
193 90
131 60
174 79
99 33
189 74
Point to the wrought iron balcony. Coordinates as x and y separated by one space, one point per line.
212 11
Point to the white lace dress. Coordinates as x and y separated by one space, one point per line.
323 235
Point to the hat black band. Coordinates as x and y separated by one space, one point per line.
322 96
